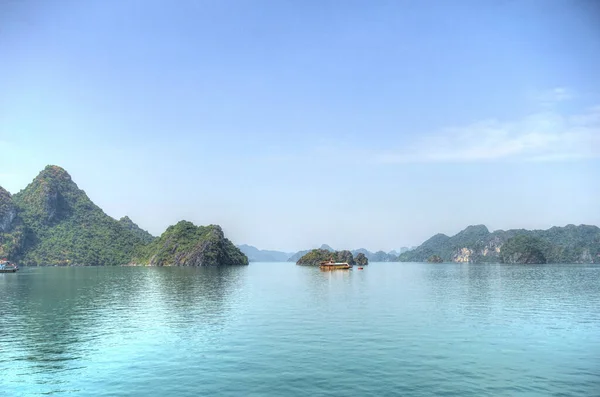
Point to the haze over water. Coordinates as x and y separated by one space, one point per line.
280 329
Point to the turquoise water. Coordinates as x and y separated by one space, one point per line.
283 330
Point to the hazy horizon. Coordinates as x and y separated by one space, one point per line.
364 125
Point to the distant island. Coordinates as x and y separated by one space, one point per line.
257 255
379 256
476 244
53 222
316 256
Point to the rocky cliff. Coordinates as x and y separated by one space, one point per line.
185 244
475 244
12 230
316 256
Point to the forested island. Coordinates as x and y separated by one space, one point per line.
316 256
476 244
186 244
53 222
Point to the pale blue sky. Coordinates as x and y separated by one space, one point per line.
295 123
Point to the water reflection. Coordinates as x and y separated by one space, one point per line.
53 316
326 286
195 297
59 319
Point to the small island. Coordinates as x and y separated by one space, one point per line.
361 259
316 256
435 259
186 244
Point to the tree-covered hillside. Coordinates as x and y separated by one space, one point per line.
316 256
142 234
185 244
524 249
53 222
475 244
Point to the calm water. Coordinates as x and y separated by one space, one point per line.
285 330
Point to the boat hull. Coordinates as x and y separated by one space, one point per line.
335 267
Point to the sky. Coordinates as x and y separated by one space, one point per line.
370 124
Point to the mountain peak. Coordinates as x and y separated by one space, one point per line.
4 194
475 229
327 247
54 172
51 196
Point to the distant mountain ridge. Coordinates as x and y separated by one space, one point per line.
379 256
476 244
257 255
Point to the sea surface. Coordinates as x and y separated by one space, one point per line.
277 329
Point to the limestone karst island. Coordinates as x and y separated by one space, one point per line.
53 222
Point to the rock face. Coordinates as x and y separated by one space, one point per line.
435 259
53 222
8 211
316 256
12 231
185 244
475 244
361 259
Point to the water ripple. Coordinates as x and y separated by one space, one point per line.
280 329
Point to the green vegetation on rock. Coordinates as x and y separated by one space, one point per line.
12 231
53 222
142 234
524 249
361 259
435 259
316 256
475 244
60 225
185 244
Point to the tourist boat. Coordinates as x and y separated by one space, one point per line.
8 267
331 265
